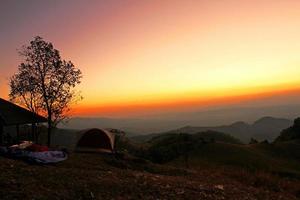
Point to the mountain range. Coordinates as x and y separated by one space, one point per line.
266 128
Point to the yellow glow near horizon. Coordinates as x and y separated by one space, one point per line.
148 53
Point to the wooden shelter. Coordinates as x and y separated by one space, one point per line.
14 115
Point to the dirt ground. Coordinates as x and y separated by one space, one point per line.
96 176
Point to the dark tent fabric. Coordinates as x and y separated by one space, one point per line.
96 140
11 114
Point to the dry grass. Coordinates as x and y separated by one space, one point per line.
94 176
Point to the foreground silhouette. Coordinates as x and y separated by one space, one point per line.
44 83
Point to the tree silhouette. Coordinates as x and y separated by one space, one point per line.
45 82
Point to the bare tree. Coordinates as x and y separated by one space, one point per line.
45 82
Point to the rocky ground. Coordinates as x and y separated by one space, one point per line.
94 176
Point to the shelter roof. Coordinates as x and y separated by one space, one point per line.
12 114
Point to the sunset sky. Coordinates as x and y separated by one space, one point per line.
161 55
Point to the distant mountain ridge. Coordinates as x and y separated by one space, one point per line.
130 126
265 128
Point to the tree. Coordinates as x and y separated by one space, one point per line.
291 133
253 141
45 82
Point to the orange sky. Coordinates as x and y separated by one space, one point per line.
257 98
137 56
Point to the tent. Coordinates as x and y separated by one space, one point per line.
95 140
88 140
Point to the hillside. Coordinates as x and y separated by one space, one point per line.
266 128
205 136
170 146
207 165
97 176
218 149
280 159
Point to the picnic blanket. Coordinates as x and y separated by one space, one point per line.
39 157
47 157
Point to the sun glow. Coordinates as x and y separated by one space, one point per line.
171 53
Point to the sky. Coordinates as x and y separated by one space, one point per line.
140 57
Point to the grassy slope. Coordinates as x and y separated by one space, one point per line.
95 176
279 158
167 147
205 135
223 169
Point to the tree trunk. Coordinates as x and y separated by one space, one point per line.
18 132
33 134
49 130
1 133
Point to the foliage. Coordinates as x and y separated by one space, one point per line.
45 82
253 141
212 148
168 147
291 133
